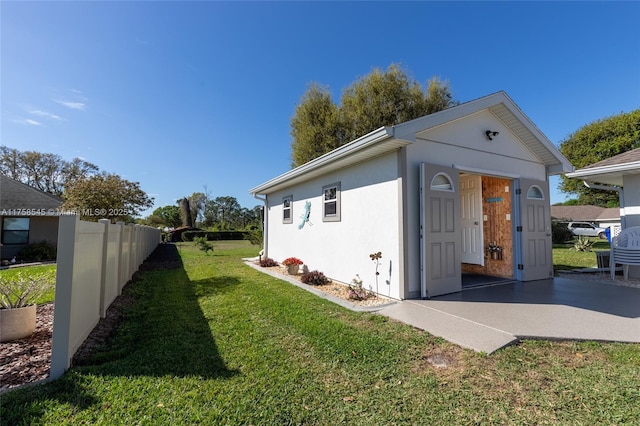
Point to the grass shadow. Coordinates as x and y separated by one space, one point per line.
164 334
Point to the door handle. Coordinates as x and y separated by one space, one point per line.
476 223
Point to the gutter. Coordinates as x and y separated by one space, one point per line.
623 222
265 222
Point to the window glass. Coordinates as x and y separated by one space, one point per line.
331 203
287 217
15 230
441 182
535 193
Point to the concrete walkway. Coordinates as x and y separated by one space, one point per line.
489 318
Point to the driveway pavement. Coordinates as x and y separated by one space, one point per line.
489 318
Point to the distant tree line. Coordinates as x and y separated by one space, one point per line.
200 210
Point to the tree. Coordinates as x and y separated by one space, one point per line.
595 142
375 100
106 196
315 127
45 171
224 211
168 216
185 212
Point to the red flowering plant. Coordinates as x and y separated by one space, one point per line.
292 261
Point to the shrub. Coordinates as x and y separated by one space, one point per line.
267 262
202 244
357 291
38 252
582 244
24 290
314 278
214 235
560 233
254 237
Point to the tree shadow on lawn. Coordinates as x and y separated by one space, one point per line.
162 332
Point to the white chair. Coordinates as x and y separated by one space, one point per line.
625 250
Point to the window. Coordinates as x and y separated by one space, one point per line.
535 193
287 207
441 182
15 230
331 203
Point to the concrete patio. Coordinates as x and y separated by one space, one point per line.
489 318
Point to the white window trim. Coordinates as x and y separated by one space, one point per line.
334 217
290 208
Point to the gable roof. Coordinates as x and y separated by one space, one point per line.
611 170
16 195
585 213
392 138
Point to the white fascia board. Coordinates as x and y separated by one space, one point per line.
593 171
360 144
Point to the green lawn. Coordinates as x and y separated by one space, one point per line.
215 342
566 257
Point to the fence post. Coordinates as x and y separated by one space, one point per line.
103 268
60 341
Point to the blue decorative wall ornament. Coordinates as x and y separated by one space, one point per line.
305 215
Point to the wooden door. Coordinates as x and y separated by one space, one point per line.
471 219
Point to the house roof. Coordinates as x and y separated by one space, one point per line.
16 195
392 138
611 170
585 213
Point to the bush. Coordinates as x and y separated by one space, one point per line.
24 290
314 278
254 237
560 233
583 244
38 252
202 244
214 235
357 291
267 262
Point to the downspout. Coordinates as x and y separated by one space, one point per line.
623 222
265 221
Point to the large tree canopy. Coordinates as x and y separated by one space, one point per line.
45 171
106 196
381 98
595 142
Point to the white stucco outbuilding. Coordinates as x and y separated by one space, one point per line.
464 190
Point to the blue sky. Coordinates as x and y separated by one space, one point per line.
182 95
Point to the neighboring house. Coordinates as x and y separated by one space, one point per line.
620 173
461 190
27 215
601 216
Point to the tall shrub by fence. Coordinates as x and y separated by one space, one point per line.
95 261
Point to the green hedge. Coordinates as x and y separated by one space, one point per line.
215 235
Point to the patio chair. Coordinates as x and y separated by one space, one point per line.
625 250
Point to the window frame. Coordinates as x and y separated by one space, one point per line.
14 231
288 208
333 217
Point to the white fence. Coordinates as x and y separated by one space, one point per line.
95 261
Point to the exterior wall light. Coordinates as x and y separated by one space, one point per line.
491 134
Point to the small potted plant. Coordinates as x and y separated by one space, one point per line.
292 264
18 296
